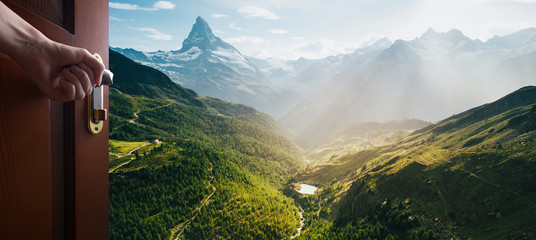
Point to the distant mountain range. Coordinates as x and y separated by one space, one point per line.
431 77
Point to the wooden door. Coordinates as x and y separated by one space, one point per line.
53 172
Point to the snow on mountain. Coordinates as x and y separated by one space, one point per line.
214 68
431 77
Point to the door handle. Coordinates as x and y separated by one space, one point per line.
97 114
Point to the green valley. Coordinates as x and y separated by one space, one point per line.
183 166
192 167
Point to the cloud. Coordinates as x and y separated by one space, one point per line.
247 39
124 6
154 34
278 31
116 19
156 6
296 38
233 26
323 47
164 5
253 12
218 15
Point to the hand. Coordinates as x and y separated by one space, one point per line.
61 72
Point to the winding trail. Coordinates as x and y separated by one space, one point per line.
179 229
502 188
136 117
445 205
150 109
302 222
129 153
319 206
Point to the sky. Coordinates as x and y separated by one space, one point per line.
289 29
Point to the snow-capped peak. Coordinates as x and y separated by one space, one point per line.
202 37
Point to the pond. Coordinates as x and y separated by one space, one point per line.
307 189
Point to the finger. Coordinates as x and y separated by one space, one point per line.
65 91
71 78
96 66
89 74
87 70
83 78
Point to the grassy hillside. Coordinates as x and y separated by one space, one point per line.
361 136
469 176
189 167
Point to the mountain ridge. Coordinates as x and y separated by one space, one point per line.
214 68
381 82
430 77
136 79
467 176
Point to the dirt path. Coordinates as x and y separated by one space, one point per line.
429 163
302 222
440 195
136 116
502 188
129 153
505 189
319 206
150 109
120 165
445 206
179 229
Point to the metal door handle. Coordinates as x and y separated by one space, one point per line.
96 111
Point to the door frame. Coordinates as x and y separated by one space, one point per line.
73 165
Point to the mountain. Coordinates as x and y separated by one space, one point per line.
523 38
214 68
191 167
136 79
304 77
468 176
430 77
361 136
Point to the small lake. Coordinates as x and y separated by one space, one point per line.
307 189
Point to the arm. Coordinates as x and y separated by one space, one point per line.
45 61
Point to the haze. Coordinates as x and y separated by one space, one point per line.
311 29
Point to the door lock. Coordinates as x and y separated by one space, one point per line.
97 114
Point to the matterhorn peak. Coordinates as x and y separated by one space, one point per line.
201 36
201 26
